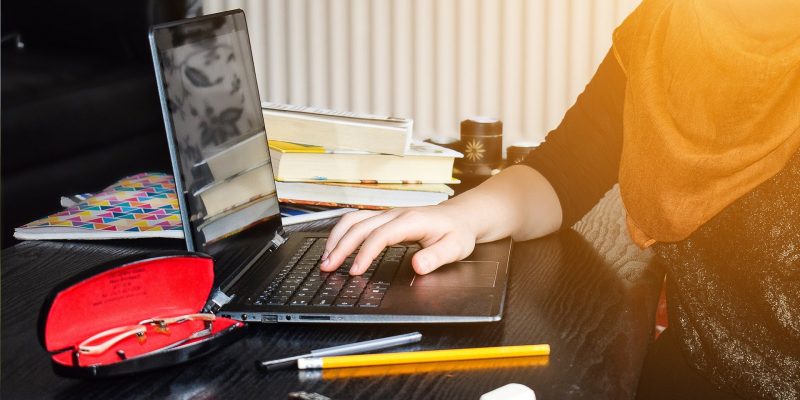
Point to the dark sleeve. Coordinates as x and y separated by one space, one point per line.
581 157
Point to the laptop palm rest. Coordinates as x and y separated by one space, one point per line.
460 274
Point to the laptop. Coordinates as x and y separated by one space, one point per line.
229 207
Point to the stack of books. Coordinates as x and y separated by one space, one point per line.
340 159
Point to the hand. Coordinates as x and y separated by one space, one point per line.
441 231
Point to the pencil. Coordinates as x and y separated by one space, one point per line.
365 360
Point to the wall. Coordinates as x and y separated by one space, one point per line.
437 61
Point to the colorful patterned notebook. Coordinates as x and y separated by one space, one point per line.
139 206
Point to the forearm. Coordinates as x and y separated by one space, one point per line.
518 202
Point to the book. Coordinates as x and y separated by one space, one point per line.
369 196
139 206
221 196
239 218
232 159
97 216
337 130
292 214
422 163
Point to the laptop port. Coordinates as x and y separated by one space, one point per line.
269 318
315 317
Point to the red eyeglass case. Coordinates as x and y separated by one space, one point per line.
124 293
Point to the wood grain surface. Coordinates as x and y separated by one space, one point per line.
585 291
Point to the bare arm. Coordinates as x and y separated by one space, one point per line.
518 202
580 161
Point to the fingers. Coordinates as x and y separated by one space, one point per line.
352 232
343 226
442 240
450 248
395 231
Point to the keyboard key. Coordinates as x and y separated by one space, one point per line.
369 303
323 300
345 302
299 302
378 285
278 301
372 296
357 281
336 279
328 292
376 290
350 293
386 271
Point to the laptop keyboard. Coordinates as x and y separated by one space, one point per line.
300 282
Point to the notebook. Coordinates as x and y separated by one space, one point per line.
210 103
140 206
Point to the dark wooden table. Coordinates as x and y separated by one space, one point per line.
587 292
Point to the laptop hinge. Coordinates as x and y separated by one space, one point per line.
278 240
220 298
216 301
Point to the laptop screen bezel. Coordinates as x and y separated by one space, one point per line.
168 121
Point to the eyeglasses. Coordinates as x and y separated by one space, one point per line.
95 345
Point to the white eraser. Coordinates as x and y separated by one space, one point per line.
512 391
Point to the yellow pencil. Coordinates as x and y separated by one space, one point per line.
365 360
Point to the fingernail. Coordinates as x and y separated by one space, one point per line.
325 255
325 263
423 265
354 269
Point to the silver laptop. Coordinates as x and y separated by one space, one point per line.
224 178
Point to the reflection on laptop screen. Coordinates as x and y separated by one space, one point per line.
216 129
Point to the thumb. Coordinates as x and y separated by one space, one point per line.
448 249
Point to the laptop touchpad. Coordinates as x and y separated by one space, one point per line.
461 274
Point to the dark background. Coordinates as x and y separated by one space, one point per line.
80 106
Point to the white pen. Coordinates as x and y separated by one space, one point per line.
352 348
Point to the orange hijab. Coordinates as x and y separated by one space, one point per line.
712 109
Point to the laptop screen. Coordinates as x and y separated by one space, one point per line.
216 130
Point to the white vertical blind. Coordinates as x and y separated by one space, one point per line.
437 61
380 39
512 68
402 45
467 65
445 64
296 51
318 60
424 58
489 46
338 50
533 82
276 61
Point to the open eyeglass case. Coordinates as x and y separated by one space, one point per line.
134 314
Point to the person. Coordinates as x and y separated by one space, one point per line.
695 112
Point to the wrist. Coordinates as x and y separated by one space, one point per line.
465 218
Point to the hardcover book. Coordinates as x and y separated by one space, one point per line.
334 129
422 163
368 196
